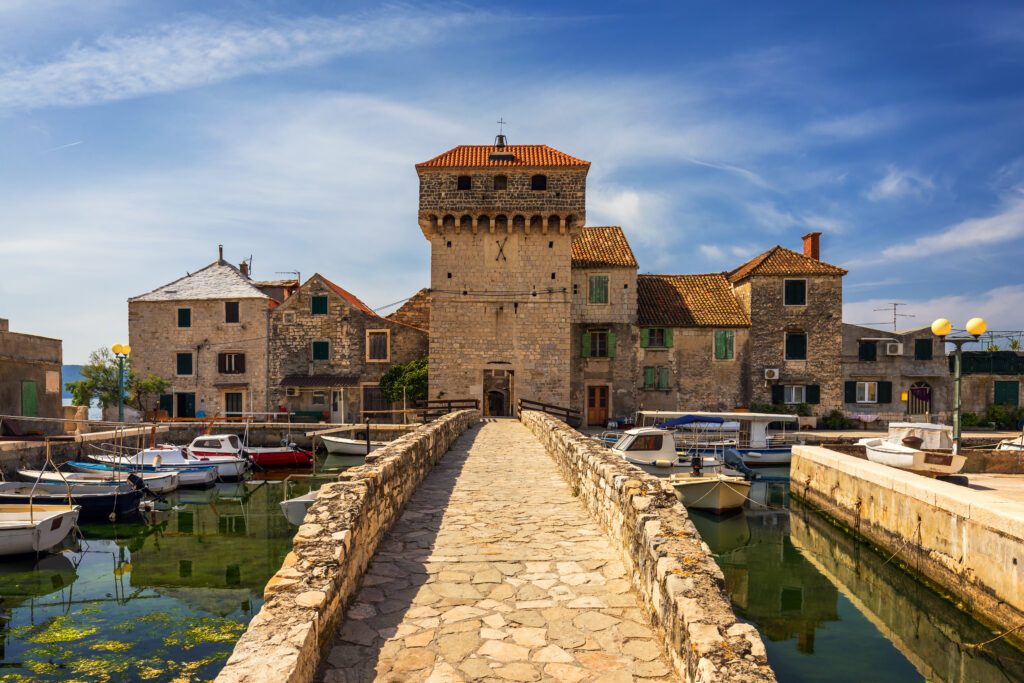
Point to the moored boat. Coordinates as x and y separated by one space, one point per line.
172 458
190 476
34 528
157 482
229 445
295 509
1014 445
97 502
711 433
903 449
714 492
653 450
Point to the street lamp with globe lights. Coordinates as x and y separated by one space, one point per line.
121 352
972 331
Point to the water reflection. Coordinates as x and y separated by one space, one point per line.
164 598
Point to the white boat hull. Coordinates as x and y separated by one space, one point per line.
1013 445
174 459
157 482
913 460
668 468
295 509
337 445
716 493
34 528
186 477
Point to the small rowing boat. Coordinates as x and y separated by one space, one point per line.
714 492
34 528
97 502
295 509
187 476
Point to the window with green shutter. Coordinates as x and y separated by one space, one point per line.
923 349
318 305
648 378
183 364
663 378
1007 393
795 293
645 337
184 317
598 290
321 350
724 341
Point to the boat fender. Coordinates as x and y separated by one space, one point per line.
157 460
663 463
734 460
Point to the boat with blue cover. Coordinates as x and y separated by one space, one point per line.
97 502
711 433
205 475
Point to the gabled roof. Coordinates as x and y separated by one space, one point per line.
602 247
704 300
781 261
348 296
219 280
415 312
479 156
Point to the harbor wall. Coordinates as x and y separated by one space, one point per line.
306 599
968 542
682 588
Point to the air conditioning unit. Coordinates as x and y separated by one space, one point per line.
292 391
771 373
893 349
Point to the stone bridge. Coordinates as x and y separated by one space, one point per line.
525 553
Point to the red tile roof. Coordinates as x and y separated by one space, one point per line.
782 261
704 300
473 156
602 247
348 296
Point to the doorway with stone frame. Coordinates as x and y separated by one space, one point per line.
498 386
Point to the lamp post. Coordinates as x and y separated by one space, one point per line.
974 328
121 352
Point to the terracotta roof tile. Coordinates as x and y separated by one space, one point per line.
704 300
348 296
415 312
473 156
602 248
782 261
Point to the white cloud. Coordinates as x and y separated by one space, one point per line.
771 217
1004 226
897 183
201 51
1000 306
644 214
858 125
712 252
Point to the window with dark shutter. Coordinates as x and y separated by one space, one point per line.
885 392
231 311
184 317
796 346
1007 393
321 350
923 349
377 345
500 182
183 364
539 182
465 182
795 292
318 305
231 363
778 394
813 394
850 392
867 351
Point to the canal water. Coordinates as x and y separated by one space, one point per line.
158 600
831 608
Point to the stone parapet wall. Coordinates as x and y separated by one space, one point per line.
307 597
680 584
969 542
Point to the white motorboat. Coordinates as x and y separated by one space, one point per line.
230 446
339 445
173 458
654 451
715 492
712 433
295 509
157 482
204 475
902 449
1014 445
34 528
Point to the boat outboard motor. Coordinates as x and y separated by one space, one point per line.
734 460
140 485
696 462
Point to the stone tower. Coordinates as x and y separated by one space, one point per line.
500 220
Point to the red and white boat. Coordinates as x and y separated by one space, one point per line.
214 446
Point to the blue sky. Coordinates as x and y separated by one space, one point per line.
135 137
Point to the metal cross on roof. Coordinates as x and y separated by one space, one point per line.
501 125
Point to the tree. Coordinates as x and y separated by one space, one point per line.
1015 344
144 390
99 380
411 376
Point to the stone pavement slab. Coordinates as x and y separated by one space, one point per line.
495 572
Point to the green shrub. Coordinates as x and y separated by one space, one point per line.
836 420
1004 417
969 420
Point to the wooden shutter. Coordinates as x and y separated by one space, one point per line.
319 305
611 344
184 317
796 293
239 362
1007 393
645 337
813 394
585 345
648 378
923 349
222 363
231 312
668 336
796 346
184 364
850 392
663 378
867 351
885 392
778 394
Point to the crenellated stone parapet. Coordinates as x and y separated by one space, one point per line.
501 222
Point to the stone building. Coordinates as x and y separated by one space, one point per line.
795 304
30 380
895 375
329 350
206 333
415 312
989 378
500 220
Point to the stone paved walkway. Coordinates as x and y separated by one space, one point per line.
495 572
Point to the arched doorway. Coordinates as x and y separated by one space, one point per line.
919 399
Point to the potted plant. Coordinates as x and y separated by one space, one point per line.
804 418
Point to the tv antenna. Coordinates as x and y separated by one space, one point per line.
895 314
298 276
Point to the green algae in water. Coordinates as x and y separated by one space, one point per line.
206 630
111 646
60 630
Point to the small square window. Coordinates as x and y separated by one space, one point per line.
867 351
656 337
231 312
465 182
183 364
319 398
377 346
289 318
500 182
794 394
796 346
318 305
539 182
867 392
795 293
598 291
923 349
184 317
321 350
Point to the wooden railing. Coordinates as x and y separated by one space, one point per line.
434 408
568 415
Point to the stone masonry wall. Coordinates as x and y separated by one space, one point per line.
696 380
307 597
27 357
680 584
821 319
294 328
155 338
619 373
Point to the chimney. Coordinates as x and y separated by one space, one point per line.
244 267
220 253
4 325
812 245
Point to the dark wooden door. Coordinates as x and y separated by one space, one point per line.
186 405
597 405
